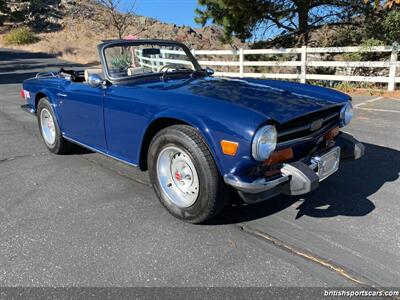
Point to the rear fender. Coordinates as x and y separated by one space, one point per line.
53 99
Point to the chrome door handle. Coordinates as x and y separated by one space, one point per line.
61 95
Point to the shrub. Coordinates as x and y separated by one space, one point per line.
390 27
363 55
122 62
345 87
20 36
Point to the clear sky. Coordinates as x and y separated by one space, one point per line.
180 12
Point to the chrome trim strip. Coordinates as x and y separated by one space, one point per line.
313 165
307 126
343 112
257 186
45 74
98 151
294 130
255 143
307 137
112 43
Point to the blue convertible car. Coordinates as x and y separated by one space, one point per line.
151 105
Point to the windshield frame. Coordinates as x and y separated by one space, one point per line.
115 43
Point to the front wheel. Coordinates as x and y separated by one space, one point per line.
184 175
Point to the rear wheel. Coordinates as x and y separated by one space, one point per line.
184 175
49 128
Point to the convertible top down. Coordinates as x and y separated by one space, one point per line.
151 105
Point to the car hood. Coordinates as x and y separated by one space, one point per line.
278 100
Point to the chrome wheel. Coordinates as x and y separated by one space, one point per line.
48 126
177 176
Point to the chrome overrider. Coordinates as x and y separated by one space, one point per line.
296 178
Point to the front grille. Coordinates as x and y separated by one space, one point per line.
302 127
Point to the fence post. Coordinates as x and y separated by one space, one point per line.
162 58
393 65
241 62
157 62
303 64
194 53
140 57
152 63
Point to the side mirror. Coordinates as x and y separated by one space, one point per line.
209 71
95 80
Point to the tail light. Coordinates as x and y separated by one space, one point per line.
22 93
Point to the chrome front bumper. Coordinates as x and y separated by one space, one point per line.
257 186
297 178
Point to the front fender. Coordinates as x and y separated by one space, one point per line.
213 130
200 125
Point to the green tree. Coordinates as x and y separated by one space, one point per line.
36 13
4 11
379 27
249 18
390 26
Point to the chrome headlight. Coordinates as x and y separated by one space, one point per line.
264 142
346 114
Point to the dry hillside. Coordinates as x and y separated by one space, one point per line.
79 33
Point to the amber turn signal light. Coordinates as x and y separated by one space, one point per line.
279 156
331 134
229 148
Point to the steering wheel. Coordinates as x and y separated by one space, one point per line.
172 66
164 69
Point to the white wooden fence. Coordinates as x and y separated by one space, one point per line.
304 52
237 59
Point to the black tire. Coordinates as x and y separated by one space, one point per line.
60 145
211 197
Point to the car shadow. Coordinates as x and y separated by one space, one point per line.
78 150
343 194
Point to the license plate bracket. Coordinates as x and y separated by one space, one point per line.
328 163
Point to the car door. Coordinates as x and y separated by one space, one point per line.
81 110
127 110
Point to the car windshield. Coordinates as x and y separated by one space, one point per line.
139 59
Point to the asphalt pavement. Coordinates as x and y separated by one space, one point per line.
87 220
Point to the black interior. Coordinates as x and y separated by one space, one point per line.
73 75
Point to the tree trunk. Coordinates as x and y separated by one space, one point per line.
303 32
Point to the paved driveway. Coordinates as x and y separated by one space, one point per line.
88 220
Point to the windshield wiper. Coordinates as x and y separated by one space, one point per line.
198 72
